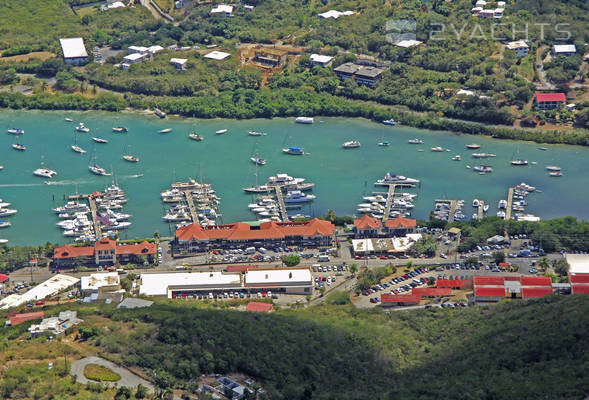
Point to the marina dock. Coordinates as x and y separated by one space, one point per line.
94 214
281 205
389 203
480 209
190 202
509 204
452 205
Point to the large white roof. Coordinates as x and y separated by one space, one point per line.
157 284
48 288
517 45
277 276
578 263
321 58
73 47
408 43
134 57
222 8
217 55
564 48
96 281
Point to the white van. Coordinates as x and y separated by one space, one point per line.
250 250
323 258
262 250
180 267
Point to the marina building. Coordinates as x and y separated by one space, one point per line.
183 285
362 74
74 51
370 227
548 101
193 238
385 246
104 252
389 300
101 286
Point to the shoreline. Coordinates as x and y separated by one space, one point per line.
314 106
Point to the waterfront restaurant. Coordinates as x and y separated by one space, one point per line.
193 238
104 252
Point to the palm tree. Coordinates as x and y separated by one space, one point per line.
353 269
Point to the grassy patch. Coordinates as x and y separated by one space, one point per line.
99 373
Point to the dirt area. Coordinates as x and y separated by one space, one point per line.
42 55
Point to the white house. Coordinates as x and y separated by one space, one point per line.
133 58
520 47
408 43
74 51
179 63
498 13
154 49
335 14
487 14
564 49
217 55
223 10
137 49
480 3
321 60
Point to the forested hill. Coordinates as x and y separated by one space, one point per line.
535 350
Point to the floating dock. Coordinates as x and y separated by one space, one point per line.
480 209
93 213
281 205
389 203
452 205
509 203
190 202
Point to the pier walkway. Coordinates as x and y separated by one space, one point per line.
509 204
389 203
480 209
93 212
452 204
281 205
190 202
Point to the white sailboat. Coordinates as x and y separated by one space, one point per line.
75 146
43 171
95 168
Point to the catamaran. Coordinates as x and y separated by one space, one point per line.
473 146
44 172
415 141
352 144
256 133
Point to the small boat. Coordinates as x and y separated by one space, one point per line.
159 113
97 170
256 133
99 140
82 128
385 143
304 120
475 203
482 168
6 212
391 122
167 130
473 146
415 141
44 172
519 162
78 149
1 167
130 158
68 119
5 224
437 149
295 151
420 150
19 147
352 144
553 168
457 158
16 131
483 155
196 137
3 241
543 148
221 131
120 129
468 166
485 208
258 161
555 173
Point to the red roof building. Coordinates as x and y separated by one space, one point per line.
20 318
400 223
579 289
240 268
194 238
367 222
454 283
257 306
547 101
536 281
484 280
535 292
583 279
105 252
4 278
482 291
432 292
392 299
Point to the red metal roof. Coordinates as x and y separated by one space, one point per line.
579 278
550 97
400 298
140 248
489 280
425 292
451 283
536 292
267 230
482 291
20 318
580 289
536 281
4 278
240 268
400 222
367 222
68 251
105 244
258 306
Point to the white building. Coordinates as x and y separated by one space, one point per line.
74 51
137 49
520 47
564 49
480 3
280 280
217 55
100 281
498 13
321 60
179 63
154 49
407 43
223 10
49 288
578 264
334 14
134 58
487 13
56 325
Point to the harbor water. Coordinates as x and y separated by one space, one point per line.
341 176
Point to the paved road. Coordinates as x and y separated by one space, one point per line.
128 378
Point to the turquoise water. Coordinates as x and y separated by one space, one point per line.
341 176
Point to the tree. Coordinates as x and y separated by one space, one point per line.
123 393
353 269
499 256
141 392
544 263
291 261
431 281
561 267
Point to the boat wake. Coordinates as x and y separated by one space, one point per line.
20 184
133 176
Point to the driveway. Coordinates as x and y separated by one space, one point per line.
128 378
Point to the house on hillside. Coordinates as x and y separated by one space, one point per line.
549 101
564 50
222 10
520 47
321 60
269 56
74 51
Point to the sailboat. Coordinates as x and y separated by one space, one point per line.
257 160
519 161
130 158
44 172
95 168
75 146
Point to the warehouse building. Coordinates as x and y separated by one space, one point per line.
49 288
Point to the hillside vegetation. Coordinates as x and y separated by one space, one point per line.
512 351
